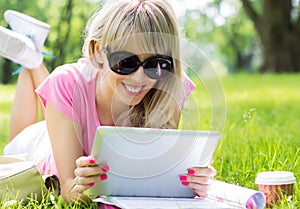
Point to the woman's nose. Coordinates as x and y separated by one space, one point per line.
139 74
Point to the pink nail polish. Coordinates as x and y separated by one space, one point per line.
185 183
92 161
91 184
103 177
191 171
183 178
105 168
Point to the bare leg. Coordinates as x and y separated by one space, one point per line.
24 110
23 45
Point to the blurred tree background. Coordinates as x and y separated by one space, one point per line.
237 35
67 19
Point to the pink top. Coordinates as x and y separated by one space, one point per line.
71 89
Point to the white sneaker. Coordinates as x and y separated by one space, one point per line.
28 26
18 48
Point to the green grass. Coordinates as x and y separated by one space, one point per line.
261 132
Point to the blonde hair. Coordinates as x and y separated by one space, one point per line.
152 24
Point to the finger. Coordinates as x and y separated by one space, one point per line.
85 161
91 180
197 171
88 171
200 179
91 170
200 189
201 193
80 188
196 179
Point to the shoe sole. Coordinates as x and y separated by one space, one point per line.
9 14
10 46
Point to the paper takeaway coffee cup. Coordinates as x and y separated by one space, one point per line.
275 184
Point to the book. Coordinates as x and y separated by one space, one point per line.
20 180
222 195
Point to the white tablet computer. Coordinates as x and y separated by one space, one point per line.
147 162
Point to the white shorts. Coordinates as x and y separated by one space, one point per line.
32 142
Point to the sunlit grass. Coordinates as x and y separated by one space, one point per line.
262 129
261 132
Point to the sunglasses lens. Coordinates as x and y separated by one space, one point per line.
157 68
129 65
123 63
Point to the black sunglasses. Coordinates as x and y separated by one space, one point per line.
125 63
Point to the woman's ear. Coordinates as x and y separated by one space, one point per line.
96 47
95 52
93 48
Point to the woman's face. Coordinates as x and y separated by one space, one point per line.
127 89
130 89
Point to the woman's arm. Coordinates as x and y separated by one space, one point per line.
76 172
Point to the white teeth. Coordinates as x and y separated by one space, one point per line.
133 90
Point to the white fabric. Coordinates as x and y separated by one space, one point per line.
32 141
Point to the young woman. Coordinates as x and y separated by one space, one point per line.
130 76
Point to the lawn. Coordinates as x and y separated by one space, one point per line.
261 132
262 129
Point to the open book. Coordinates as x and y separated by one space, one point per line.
221 196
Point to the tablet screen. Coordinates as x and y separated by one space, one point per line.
147 162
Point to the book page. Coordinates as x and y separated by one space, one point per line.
165 203
221 196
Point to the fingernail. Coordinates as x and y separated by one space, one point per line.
93 160
91 184
103 177
185 183
105 168
212 160
191 171
183 178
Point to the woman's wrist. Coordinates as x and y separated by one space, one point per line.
71 196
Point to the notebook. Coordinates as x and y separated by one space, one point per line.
147 162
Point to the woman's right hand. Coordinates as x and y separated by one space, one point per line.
87 173
77 173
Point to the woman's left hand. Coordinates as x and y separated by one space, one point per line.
199 179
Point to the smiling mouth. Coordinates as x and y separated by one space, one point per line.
133 90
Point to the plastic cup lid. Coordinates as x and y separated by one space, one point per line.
275 178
